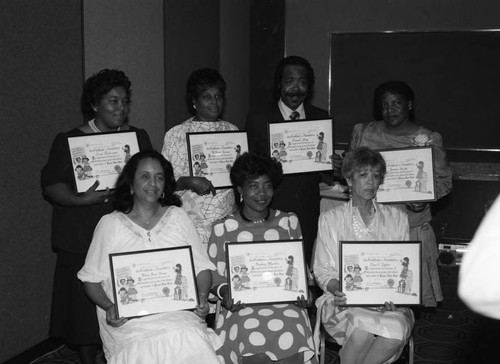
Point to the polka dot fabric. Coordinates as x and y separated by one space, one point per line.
279 330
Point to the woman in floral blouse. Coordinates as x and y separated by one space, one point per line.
205 90
394 127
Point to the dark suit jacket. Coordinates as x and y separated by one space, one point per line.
296 193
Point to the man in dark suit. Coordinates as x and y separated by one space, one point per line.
294 79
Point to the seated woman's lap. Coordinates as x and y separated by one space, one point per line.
280 331
390 324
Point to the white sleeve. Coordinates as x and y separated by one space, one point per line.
96 268
326 252
480 269
404 226
200 256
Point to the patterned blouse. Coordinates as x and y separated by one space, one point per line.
203 210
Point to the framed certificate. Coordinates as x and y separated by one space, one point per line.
374 272
212 154
302 146
409 177
266 272
153 281
100 157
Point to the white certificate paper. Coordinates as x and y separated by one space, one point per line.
302 146
100 157
153 281
409 177
266 272
374 272
211 155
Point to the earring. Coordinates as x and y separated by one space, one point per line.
241 198
350 192
194 106
162 196
131 191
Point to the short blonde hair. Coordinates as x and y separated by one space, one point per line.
362 157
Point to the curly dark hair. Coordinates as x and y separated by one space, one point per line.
98 85
201 80
362 157
251 166
292 61
124 201
393 87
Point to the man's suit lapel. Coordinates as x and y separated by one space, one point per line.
277 114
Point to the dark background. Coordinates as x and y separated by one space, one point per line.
455 77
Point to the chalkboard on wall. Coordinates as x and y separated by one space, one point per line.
455 77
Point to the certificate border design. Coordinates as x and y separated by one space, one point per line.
390 294
290 247
429 159
156 253
88 138
242 141
288 168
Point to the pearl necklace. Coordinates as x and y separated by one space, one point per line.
260 221
95 129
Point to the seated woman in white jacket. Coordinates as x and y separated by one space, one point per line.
367 334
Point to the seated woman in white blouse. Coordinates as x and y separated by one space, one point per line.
148 216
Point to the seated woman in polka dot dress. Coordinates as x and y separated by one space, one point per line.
258 333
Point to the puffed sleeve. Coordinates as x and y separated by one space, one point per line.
174 149
478 277
200 257
442 168
326 252
357 134
96 268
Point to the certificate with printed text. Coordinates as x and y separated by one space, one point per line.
302 146
211 155
409 177
266 272
100 157
374 272
153 281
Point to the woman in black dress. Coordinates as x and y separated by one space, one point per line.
105 104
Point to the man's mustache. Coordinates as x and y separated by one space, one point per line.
296 93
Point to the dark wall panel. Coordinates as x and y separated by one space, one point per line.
267 48
40 87
454 75
191 41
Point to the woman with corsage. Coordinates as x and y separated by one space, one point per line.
148 216
279 333
394 127
205 95
368 335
